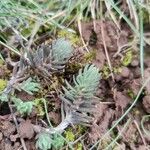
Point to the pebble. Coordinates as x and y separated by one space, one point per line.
118 78
125 72
135 63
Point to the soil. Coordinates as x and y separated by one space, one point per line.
116 94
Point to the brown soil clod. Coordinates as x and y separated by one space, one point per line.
125 72
26 129
121 102
146 103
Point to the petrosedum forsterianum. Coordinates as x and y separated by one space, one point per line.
85 84
78 101
53 57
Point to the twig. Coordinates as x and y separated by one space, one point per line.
80 31
10 48
93 5
46 112
16 123
106 51
36 28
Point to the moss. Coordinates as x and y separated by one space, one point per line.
105 143
39 105
117 70
73 68
105 71
1 62
54 84
88 57
127 58
74 39
69 135
3 84
81 129
79 146
130 93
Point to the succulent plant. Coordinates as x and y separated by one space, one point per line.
78 100
51 58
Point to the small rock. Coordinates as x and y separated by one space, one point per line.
13 138
125 72
135 63
118 77
147 62
137 72
135 86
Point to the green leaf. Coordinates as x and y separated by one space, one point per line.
61 51
3 84
127 58
29 86
3 97
23 107
58 142
70 136
85 84
44 141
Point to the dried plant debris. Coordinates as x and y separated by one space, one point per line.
26 129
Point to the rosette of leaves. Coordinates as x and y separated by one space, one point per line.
79 98
79 104
51 58
29 86
24 108
47 141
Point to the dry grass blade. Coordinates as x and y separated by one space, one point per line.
106 51
138 128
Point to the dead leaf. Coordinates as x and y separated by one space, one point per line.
26 129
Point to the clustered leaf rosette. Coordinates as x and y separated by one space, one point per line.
78 102
79 98
51 58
